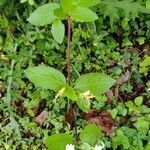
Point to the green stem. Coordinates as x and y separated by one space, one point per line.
8 97
68 51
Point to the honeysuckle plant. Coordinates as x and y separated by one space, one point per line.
86 87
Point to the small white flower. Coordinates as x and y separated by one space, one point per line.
70 147
99 147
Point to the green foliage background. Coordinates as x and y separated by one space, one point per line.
120 35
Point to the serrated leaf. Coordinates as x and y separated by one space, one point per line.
91 134
43 15
58 141
87 3
46 77
96 83
67 5
120 139
58 31
111 9
142 125
83 14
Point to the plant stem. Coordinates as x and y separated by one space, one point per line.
68 51
8 96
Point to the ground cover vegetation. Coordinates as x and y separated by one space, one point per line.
74 72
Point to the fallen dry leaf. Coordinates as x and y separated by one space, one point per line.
112 63
102 119
124 78
41 117
110 95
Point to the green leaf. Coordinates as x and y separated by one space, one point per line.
120 139
91 134
67 5
112 9
83 14
23 1
46 77
124 22
142 125
141 40
84 104
58 141
87 3
43 15
145 62
60 13
148 5
58 31
97 83
147 146
31 2
113 112
138 100
70 93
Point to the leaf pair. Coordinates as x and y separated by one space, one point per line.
50 78
45 15
91 134
54 13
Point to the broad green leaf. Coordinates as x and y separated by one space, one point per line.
59 13
43 15
58 141
96 83
67 5
91 134
83 14
58 31
84 104
70 93
87 3
46 77
138 100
